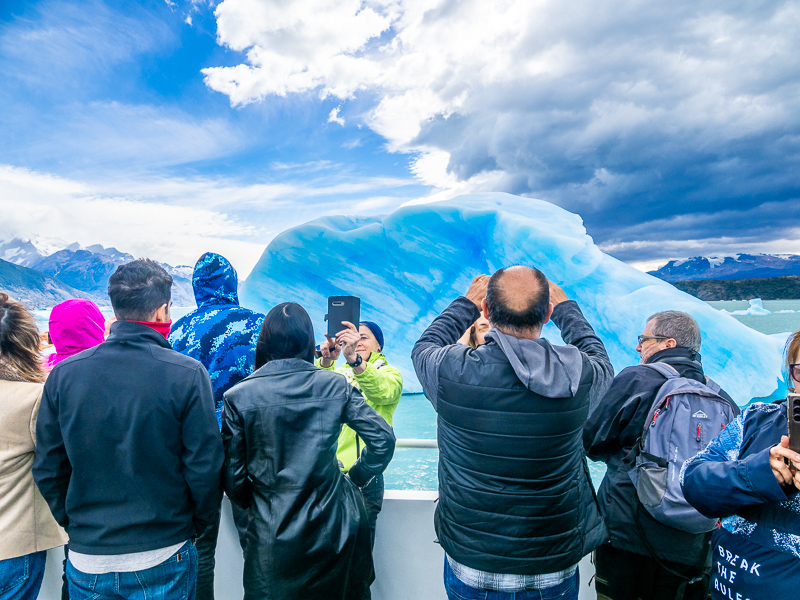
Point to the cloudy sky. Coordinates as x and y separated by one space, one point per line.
166 128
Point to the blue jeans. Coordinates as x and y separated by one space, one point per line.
173 579
458 590
21 577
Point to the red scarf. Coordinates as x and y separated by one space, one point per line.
162 328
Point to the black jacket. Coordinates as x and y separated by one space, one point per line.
611 431
308 535
514 490
128 452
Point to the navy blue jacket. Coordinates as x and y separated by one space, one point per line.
219 333
732 478
128 453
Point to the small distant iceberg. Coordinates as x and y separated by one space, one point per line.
756 309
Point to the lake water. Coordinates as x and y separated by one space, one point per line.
414 468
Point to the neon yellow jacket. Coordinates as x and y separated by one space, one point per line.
382 387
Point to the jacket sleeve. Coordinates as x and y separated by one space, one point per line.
431 347
380 386
202 450
602 433
575 330
377 435
51 467
718 484
235 480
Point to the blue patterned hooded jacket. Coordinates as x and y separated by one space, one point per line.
219 333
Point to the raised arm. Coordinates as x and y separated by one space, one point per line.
575 330
380 386
377 435
431 347
718 484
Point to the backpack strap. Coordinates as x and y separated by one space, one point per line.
713 385
666 370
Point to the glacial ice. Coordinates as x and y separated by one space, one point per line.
756 309
409 265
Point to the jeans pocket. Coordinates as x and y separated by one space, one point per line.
14 572
173 579
81 585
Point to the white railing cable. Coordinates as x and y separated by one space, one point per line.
416 443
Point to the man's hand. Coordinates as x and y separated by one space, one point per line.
348 340
785 474
477 290
557 295
329 356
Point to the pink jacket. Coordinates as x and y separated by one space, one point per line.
75 325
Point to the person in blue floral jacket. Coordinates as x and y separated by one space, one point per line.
222 336
743 477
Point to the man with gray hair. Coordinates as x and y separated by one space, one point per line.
644 558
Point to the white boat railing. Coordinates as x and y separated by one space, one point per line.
408 559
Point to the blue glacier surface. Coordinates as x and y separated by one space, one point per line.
408 265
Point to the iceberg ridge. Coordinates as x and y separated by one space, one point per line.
408 265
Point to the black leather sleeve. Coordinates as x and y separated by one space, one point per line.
377 435
235 480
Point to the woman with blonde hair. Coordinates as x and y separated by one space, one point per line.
27 528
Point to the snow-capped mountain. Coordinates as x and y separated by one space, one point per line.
739 266
85 269
25 252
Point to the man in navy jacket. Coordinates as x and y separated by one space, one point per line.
128 451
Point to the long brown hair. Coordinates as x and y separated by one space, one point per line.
19 340
792 352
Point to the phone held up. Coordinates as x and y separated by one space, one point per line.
341 308
793 416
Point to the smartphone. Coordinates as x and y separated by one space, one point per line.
793 416
342 308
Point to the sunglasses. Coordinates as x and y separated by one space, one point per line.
642 338
794 371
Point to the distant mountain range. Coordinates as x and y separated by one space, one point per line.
739 266
40 274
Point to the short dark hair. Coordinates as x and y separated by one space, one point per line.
532 316
679 326
287 332
138 288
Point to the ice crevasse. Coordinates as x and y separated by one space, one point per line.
409 265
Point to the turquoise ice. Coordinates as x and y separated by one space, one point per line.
408 265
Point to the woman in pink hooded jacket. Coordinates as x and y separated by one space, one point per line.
75 325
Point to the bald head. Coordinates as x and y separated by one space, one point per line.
518 299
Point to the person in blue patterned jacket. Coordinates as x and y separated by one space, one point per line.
222 336
742 476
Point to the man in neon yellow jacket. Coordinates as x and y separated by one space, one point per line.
381 385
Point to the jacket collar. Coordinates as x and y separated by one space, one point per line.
284 365
128 331
686 361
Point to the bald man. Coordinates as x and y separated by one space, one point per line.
516 507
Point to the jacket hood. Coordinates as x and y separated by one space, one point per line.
75 325
547 370
215 280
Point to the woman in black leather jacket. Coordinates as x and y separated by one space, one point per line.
308 535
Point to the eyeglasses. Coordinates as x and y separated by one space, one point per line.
794 371
642 338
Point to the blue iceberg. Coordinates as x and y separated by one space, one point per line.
408 265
